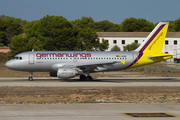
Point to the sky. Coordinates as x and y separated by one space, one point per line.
115 11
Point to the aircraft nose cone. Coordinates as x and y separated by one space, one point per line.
9 64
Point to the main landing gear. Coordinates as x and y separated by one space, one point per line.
83 77
30 76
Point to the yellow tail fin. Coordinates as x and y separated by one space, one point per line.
155 41
150 51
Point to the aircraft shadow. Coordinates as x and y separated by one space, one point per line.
121 80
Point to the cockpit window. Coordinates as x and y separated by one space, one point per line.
15 57
18 58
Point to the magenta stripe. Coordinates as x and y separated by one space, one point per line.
147 43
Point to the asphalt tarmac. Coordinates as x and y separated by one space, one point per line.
101 81
87 111
98 111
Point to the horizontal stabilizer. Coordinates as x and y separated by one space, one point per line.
154 57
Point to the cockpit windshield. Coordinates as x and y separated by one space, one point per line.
18 58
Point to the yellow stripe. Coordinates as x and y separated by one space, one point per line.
171 115
127 115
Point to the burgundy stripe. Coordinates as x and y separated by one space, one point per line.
152 37
147 43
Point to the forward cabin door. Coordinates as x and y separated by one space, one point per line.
31 58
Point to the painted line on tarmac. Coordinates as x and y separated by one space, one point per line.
148 115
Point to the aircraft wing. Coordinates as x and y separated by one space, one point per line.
98 65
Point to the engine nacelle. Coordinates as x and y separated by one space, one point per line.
66 72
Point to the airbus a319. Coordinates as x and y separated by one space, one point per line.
68 64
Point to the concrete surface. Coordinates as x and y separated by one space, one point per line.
86 111
101 81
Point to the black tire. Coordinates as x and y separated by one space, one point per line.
82 77
89 78
30 79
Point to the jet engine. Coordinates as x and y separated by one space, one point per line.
66 72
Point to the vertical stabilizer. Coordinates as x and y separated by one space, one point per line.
155 40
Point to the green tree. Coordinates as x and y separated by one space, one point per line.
9 26
131 46
115 48
2 32
89 39
103 45
13 28
21 43
106 26
177 25
28 25
84 22
136 25
55 33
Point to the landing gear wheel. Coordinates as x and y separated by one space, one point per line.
89 78
30 76
30 79
82 77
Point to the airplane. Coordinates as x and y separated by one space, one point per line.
68 64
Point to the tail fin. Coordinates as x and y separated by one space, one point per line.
150 51
155 41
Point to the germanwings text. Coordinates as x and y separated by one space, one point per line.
41 55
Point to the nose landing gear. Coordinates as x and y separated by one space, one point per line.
30 76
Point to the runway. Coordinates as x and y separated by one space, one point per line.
87 111
101 81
